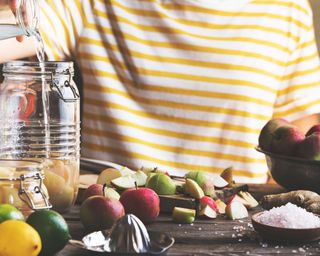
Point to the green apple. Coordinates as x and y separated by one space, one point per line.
107 175
193 189
204 180
183 215
162 184
149 177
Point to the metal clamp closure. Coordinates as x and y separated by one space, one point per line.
26 194
67 83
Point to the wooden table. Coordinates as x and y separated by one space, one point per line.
207 237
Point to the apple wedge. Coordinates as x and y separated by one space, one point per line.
183 215
236 210
193 189
140 177
107 175
207 212
123 182
227 175
221 206
219 182
251 202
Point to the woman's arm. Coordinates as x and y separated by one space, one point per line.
305 123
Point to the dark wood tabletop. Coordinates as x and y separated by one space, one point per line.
207 237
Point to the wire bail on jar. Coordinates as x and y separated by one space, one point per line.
37 189
76 96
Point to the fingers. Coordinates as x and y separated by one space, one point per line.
20 38
13 4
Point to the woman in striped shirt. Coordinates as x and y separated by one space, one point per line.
186 84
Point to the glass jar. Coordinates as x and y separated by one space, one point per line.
24 22
40 120
21 184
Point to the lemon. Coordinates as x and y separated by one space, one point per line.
9 212
52 228
18 238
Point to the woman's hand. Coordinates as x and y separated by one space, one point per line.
13 6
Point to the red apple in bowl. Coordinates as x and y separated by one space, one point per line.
100 212
142 202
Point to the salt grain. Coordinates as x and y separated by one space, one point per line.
289 216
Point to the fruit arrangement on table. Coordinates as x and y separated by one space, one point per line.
146 192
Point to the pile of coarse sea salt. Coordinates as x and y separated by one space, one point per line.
289 216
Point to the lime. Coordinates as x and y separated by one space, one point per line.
52 228
9 212
19 238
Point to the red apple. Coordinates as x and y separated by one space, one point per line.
99 212
266 134
93 190
309 148
206 200
142 202
313 129
285 140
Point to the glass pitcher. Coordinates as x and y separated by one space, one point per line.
33 127
24 22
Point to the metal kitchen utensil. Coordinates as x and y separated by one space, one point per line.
128 236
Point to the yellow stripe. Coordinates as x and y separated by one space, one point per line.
63 23
175 105
179 120
296 74
171 149
304 58
184 166
188 62
51 46
286 4
74 26
184 76
187 47
296 109
167 133
297 87
178 91
162 16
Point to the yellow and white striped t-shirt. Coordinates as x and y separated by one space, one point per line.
186 84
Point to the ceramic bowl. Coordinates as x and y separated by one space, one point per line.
273 233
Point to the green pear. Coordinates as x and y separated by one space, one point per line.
162 184
193 189
203 180
107 175
183 215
